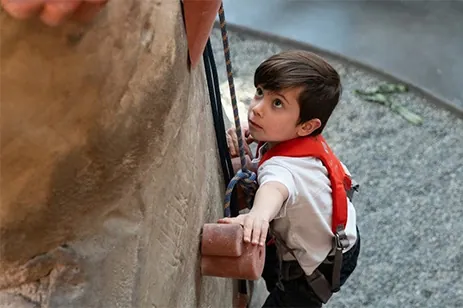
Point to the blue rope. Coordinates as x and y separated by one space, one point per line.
244 177
247 180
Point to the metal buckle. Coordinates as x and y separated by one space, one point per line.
340 239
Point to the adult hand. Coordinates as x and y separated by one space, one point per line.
54 12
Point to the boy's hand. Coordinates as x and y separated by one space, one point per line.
236 163
255 228
232 141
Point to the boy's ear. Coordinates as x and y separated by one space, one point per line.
308 127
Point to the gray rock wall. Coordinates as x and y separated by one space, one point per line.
108 163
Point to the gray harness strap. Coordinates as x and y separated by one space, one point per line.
317 281
340 243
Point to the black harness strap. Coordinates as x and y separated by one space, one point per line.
317 281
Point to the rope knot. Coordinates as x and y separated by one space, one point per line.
248 182
246 175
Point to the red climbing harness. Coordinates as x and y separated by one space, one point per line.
318 148
341 186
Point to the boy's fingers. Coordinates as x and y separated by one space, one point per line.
256 231
231 132
250 139
22 9
263 234
247 150
232 220
231 147
247 229
225 220
235 143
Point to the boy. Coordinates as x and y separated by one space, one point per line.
302 185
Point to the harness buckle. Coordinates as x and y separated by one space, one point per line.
340 239
341 242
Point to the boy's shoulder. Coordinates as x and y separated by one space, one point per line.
295 165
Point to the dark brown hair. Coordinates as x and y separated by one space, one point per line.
320 83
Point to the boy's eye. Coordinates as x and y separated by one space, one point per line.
277 103
259 92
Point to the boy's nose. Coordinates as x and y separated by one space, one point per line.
257 110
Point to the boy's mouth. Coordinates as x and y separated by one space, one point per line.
254 124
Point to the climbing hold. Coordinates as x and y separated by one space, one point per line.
222 240
199 20
225 254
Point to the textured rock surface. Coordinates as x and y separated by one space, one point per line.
109 166
410 202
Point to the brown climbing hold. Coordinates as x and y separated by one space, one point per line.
225 254
222 240
199 19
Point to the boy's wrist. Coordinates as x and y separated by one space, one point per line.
261 215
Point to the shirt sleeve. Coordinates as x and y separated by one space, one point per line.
272 171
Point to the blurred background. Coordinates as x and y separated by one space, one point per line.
420 42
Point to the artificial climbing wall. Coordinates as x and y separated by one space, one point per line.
108 163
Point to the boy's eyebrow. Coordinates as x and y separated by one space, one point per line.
280 94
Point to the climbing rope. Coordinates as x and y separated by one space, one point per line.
216 104
244 177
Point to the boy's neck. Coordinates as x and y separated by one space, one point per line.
271 144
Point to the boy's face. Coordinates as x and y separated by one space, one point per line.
273 116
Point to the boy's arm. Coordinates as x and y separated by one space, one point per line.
267 203
269 199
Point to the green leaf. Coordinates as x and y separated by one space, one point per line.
382 95
386 88
392 88
407 114
377 98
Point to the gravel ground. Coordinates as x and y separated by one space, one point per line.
410 203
